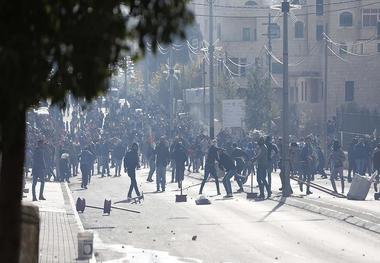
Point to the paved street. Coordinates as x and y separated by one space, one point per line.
232 230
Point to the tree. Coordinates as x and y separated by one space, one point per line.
258 100
49 48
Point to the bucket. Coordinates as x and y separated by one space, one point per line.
85 245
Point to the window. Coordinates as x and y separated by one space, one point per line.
349 90
305 90
219 31
378 47
274 31
298 30
319 32
345 19
277 68
250 3
314 96
343 49
370 17
246 34
319 7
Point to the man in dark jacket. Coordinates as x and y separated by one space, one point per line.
272 151
151 160
131 162
306 159
162 160
351 159
360 156
86 161
262 165
38 170
117 155
211 158
180 157
228 164
240 157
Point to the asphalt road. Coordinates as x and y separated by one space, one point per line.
228 230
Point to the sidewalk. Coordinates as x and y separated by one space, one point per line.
59 224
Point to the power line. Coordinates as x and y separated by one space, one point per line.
268 7
304 14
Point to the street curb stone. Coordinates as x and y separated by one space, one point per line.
353 220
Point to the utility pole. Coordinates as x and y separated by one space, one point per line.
287 190
324 126
204 88
171 93
211 74
126 77
269 36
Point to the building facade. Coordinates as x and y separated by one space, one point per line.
352 32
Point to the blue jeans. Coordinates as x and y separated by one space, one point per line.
262 181
161 177
152 168
227 181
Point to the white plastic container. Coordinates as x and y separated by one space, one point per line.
85 244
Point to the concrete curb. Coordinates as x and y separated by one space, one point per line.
350 219
77 218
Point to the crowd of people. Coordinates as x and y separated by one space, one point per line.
112 132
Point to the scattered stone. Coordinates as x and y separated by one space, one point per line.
96 254
276 258
143 251
298 243
342 249
363 255
122 246
130 232
194 238
147 227
154 240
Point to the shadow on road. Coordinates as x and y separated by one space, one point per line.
281 203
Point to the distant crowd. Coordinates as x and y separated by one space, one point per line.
112 133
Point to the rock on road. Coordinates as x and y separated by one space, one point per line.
228 230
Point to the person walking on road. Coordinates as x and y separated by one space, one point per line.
162 160
211 158
38 170
336 160
180 157
86 161
151 160
262 166
306 162
131 162
228 164
118 154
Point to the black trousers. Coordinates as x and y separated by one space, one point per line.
210 171
132 175
86 170
42 184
